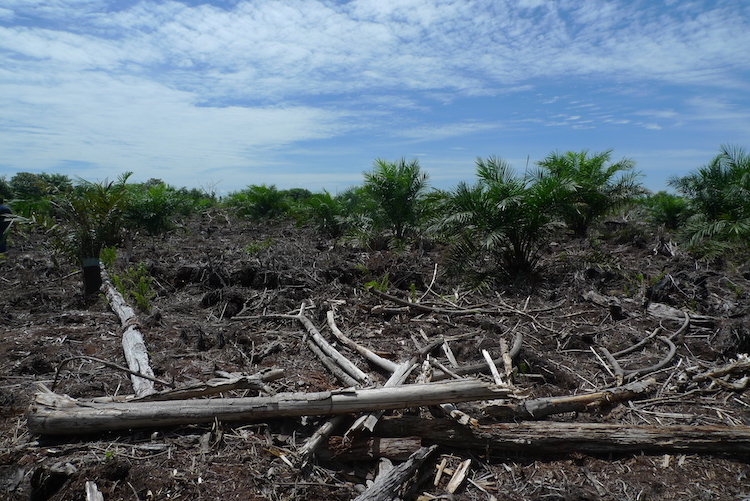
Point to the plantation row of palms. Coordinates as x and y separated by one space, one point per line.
497 225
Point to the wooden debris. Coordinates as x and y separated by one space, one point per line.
387 487
622 374
92 492
341 366
439 375
741 365
368 421
366 449
552 437
665 312
53 414
458 477
538 408
136 353
220 385
369 355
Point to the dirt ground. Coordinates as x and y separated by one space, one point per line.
215 271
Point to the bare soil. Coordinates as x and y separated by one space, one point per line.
215 268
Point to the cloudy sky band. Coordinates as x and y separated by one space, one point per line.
239 86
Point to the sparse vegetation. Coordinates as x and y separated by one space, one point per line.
227 285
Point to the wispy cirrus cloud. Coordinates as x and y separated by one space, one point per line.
231 83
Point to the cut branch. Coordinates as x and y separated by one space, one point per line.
541 407
622 374
369 355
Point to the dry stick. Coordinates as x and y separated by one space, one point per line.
110 365
323 345
306 451
741 365
421 307
493 368
465 311
331 365
539 408
92 492
432 282
640 343
481 366
648 338
374 358
528 316
458 477
386 488
622 374
220 385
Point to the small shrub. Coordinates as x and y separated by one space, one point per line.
667 209
259 202
136 284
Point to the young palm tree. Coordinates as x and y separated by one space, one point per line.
595 188
500 224
719 194
259 202
398 190
91 218
326 212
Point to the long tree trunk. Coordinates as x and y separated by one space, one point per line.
61 415
552 437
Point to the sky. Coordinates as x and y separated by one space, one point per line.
223 94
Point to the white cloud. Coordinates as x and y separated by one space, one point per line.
443 131
657 113
213 87
273 49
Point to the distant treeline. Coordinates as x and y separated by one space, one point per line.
497 226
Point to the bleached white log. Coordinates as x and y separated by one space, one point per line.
52 414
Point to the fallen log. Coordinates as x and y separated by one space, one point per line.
551 437
52 414
133 345
538 408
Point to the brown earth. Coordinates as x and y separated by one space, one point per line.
215 267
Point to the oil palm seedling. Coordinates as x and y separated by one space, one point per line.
667 209
258 202
596 186
91 217
499 225
326 212
719 196
398 190
152 207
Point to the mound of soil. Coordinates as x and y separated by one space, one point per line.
218 281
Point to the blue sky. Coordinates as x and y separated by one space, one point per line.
308 93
